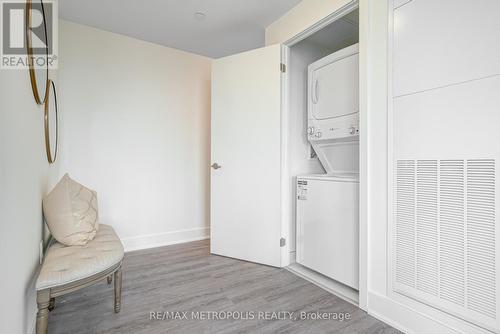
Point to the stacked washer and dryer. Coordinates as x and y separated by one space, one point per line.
327 204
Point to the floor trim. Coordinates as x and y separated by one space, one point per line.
165 239
338 289
410 320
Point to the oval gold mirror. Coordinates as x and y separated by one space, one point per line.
51 123
37 47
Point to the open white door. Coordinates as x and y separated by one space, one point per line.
246 156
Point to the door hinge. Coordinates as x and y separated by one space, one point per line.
282 67
282 242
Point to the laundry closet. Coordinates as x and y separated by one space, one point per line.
323 107
285 155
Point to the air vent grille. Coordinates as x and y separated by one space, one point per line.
405 223
481 236
445 234
427 226
452 231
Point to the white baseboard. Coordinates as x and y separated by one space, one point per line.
412 321
165 239
338 289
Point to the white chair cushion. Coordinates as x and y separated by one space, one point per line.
70 210
66 264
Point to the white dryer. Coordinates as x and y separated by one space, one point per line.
333 83
333 110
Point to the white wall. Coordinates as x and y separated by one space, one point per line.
136 129
25 177
400 311
380 301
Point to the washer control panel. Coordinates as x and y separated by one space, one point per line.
332 130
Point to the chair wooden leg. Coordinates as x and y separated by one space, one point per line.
52 304
42 317
118 289
110 279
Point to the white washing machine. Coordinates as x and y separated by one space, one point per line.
328 205
327 226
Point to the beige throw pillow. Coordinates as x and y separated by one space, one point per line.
70 210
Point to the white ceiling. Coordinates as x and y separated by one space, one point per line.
230 26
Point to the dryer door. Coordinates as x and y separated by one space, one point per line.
333 85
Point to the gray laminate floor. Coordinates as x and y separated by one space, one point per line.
186 278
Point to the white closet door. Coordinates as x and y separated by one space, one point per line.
246 144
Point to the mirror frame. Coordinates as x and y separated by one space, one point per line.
51 156
34 85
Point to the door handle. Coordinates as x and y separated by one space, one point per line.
315 89
216 166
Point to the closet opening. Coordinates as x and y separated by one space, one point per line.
322 116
